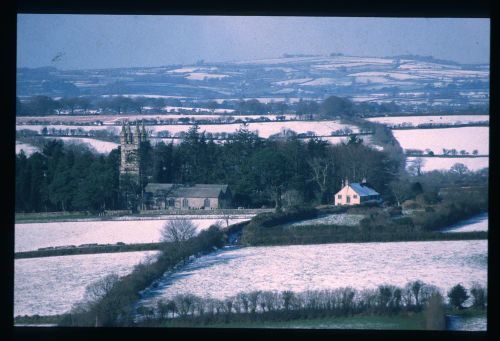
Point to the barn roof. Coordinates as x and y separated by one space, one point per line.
363 190
185 191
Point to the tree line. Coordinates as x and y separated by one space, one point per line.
259 172
286 305
332 106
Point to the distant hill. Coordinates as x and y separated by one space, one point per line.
408 80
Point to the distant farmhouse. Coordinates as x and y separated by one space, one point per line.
356 193
158 196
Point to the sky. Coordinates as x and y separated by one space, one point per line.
111 41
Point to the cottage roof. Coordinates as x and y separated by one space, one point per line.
185 191
363 190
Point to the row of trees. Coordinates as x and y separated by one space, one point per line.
271 305
332 106
44 105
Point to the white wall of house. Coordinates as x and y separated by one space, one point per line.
347 196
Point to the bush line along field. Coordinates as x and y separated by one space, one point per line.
111 301
378 225
270 306
67 251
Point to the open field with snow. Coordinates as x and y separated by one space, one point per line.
264 129
36 235
434 119
51 285
98 145
445 163
118 119
27 148
474 224
327 266
464 138
332 219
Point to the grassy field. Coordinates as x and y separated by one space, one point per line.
397 322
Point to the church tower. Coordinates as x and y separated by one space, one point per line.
131 152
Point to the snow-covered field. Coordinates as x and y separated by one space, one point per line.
51 285
327 266
36 235
474 224
39 127
415 120
466 138
445 163
265 129
334 219
98 145
27 148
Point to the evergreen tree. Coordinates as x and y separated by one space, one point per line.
458 295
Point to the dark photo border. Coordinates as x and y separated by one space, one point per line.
357 8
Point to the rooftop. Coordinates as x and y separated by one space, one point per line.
362 189
194 191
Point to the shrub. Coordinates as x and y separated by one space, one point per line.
395 211
479 296
178 230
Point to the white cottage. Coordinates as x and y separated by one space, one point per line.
355 193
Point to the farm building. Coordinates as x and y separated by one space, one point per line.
355 193
176 196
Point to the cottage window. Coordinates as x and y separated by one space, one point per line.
185 203
171 202
354 196
206 202
339 196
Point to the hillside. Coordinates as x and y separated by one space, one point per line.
410 81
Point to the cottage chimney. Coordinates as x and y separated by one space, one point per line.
342 183
363 181
346 182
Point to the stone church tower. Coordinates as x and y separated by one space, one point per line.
131 152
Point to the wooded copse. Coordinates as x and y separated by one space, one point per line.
259 172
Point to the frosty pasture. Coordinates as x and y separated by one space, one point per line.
332 219
33 236
27 148
51 285
474 224
264 129
466 138
327 266
434 119
98 145
445 163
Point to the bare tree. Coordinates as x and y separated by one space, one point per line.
97 290
416 166
321 169
177 231
401 190
459 168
